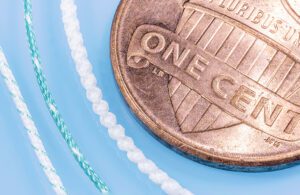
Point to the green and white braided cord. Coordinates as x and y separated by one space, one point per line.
89 171
29 125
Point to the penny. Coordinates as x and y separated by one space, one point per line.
218 80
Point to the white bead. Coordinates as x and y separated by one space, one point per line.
101 107
88 81
126 144
108 120
94 95
147 167
136 156
185 192
81 49
171 186
84 68
116 132
158 177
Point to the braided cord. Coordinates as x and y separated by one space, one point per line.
88 170
101 108
29 125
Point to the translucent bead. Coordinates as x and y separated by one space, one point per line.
158 176
101 107
147 167
84 67
81 50
108 120
126 144
171 186
116 132
88 81
185 192
94 95
136 156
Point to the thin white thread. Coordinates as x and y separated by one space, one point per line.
29 125
101 107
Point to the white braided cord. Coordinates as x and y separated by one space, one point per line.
29 125
101 108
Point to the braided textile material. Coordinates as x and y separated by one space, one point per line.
29 125
89 171
101 108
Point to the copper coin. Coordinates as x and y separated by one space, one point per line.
218 80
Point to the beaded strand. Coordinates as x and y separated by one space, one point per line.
101 107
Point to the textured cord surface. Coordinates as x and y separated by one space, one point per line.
88 170
29 125
101 108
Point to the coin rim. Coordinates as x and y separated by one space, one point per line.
291 10
274 162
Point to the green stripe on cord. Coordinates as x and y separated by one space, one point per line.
88 170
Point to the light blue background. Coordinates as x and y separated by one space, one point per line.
20 172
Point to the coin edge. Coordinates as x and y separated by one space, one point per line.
247 164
